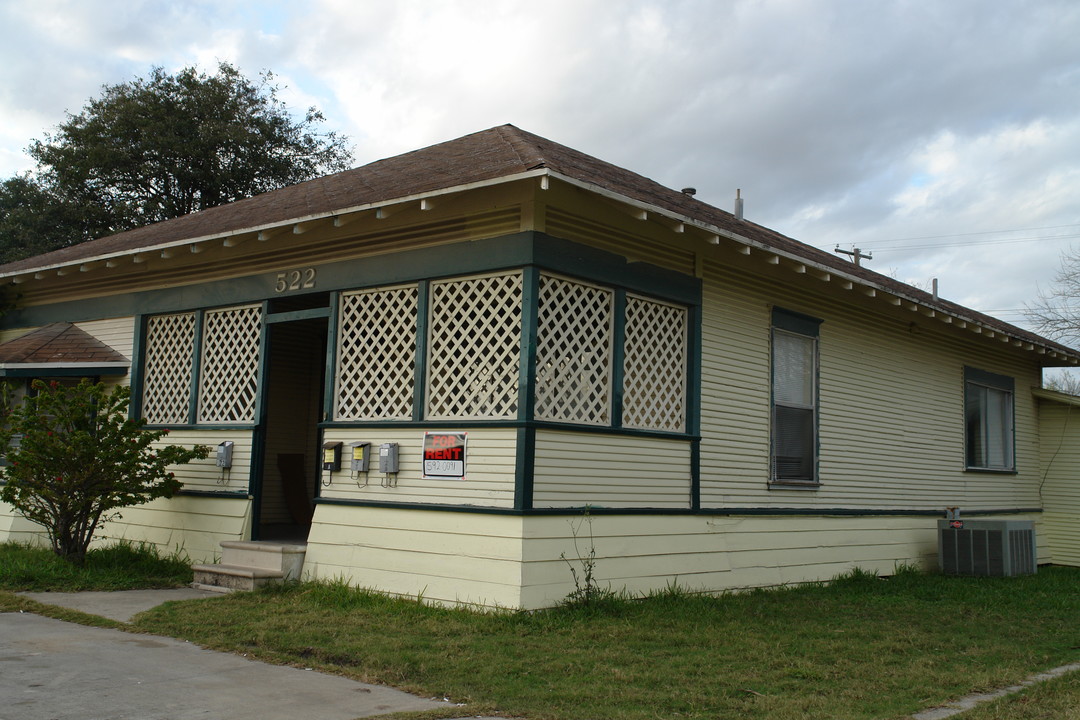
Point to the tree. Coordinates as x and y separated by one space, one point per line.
165 146
33 221
1056 314
79 458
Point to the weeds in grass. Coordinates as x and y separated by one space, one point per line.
121 566
587 590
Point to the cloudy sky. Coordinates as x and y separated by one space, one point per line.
943 137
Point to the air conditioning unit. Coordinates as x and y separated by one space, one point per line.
1001 548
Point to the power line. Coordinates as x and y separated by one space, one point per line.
982 232
964 243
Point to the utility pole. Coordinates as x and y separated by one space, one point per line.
856 254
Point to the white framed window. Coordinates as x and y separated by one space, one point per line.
988 421
794 399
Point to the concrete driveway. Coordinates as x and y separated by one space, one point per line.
54 670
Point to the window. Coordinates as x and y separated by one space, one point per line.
988 409
794 398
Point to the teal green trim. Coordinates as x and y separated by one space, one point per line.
423 290
196 368
258 437
195 426
333 328
600 266
1004 383
234 495
670 512
530 300
982 377
618 358
796 322
487 424
138 364
87 371
524 468
294 315
467 257
693 399
695 475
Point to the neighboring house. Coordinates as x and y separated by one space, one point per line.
592 361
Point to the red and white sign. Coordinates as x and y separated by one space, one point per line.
444 455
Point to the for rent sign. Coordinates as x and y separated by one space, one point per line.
444 455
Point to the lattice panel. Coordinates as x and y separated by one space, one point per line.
228 378
573 352
654 366
376 359
170 352
474 347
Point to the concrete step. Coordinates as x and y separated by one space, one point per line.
233 577
286 557
246 565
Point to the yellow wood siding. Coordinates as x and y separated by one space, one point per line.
489 474
15 528
117 333
1060 527
187 524
578 469
443 557
204 475
643 554
891 407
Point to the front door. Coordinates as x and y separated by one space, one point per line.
294 386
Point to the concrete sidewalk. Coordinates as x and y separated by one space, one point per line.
121 605
54 670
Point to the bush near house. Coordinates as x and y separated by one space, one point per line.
77 458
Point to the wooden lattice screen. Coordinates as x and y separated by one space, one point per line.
654 365
228 380
170 351
376 359
573 352
474 347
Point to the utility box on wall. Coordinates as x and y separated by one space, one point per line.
1000 548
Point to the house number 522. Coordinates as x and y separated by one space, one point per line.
302 279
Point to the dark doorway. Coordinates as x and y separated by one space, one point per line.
296 370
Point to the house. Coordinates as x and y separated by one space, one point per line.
457 372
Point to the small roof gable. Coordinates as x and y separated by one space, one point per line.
59 349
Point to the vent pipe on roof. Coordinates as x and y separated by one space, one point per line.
738 204
689 191
934 285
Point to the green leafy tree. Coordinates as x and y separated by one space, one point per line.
161 147
79 458
34 221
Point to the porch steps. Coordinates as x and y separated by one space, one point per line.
246 565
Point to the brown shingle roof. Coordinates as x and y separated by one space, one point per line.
499 152
61 343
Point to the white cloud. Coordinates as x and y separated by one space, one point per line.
842 122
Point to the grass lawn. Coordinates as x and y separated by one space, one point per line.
1054 700
119 567
858 648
